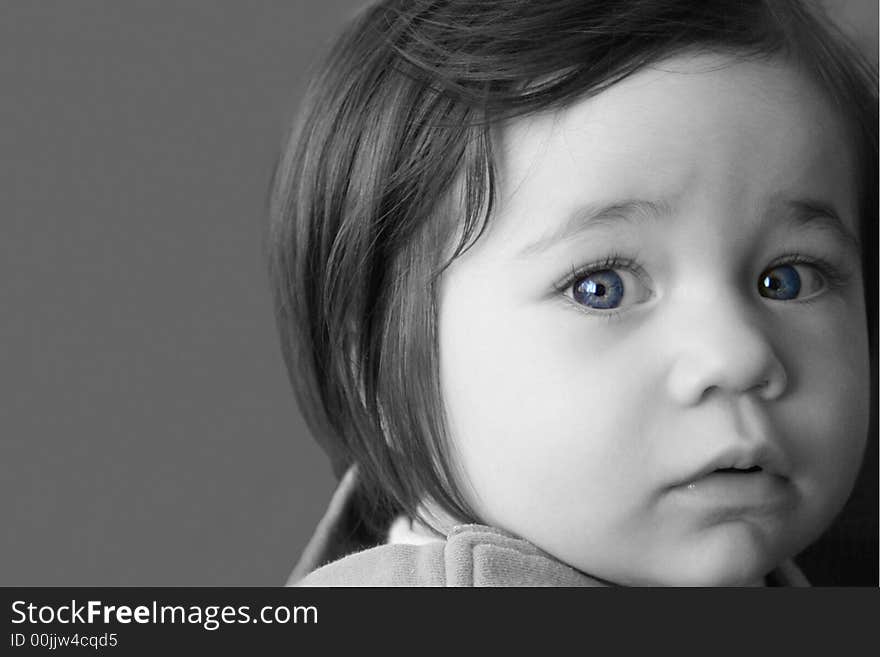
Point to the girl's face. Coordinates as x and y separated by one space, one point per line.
655 362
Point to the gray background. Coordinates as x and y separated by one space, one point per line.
148 433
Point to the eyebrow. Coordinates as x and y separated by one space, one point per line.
798 212
820 215
595 215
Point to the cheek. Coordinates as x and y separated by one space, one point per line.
827 413
539 415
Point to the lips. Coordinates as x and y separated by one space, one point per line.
743 459
740 477
737 493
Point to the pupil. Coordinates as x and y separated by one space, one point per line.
772 283
596 289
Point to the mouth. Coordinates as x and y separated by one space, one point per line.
750 470
743 460
744 478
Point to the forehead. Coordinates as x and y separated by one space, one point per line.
744 131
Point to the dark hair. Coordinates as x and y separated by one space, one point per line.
390 175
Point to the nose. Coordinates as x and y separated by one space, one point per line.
723 346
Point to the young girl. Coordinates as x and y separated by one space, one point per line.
579 292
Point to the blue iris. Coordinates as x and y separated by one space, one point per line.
781 283
600 289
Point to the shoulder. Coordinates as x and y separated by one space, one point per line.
472 555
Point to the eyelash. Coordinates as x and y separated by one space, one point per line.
612 261
832 275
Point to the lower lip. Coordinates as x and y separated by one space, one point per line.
730 491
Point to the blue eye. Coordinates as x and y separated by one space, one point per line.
790 281
600 289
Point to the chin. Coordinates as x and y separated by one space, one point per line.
730 556
724 575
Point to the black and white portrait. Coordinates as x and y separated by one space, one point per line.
418 293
